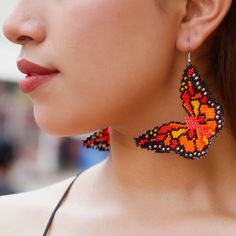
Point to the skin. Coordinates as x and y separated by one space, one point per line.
120 62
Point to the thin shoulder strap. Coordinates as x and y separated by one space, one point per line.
58 205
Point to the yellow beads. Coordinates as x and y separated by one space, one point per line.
177 133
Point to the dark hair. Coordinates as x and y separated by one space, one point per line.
224 64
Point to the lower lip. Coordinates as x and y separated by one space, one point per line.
31 82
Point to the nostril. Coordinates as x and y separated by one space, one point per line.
23 38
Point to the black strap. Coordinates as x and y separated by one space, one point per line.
58 205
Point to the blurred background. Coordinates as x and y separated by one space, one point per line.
30 158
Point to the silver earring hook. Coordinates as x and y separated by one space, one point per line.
189 57
189 51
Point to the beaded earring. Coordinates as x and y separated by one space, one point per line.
189 139
98 140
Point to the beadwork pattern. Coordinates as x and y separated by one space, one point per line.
189 139
98 140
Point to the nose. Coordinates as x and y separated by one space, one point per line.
21 27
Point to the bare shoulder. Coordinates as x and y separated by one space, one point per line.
29 212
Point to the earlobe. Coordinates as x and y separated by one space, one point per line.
200 20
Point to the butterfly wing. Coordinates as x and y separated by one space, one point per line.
196 97
178 137
98 140
194 91
201 107
166 138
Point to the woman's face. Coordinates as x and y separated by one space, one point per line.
112 56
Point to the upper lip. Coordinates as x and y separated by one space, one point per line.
28 67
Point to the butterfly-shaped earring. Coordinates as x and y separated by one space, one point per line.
189 139
99 140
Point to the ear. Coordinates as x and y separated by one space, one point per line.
201 18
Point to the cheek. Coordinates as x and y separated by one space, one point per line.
112 55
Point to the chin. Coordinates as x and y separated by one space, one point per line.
63 127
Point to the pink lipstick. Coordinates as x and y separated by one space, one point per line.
35 75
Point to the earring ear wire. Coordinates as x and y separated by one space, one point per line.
189 58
